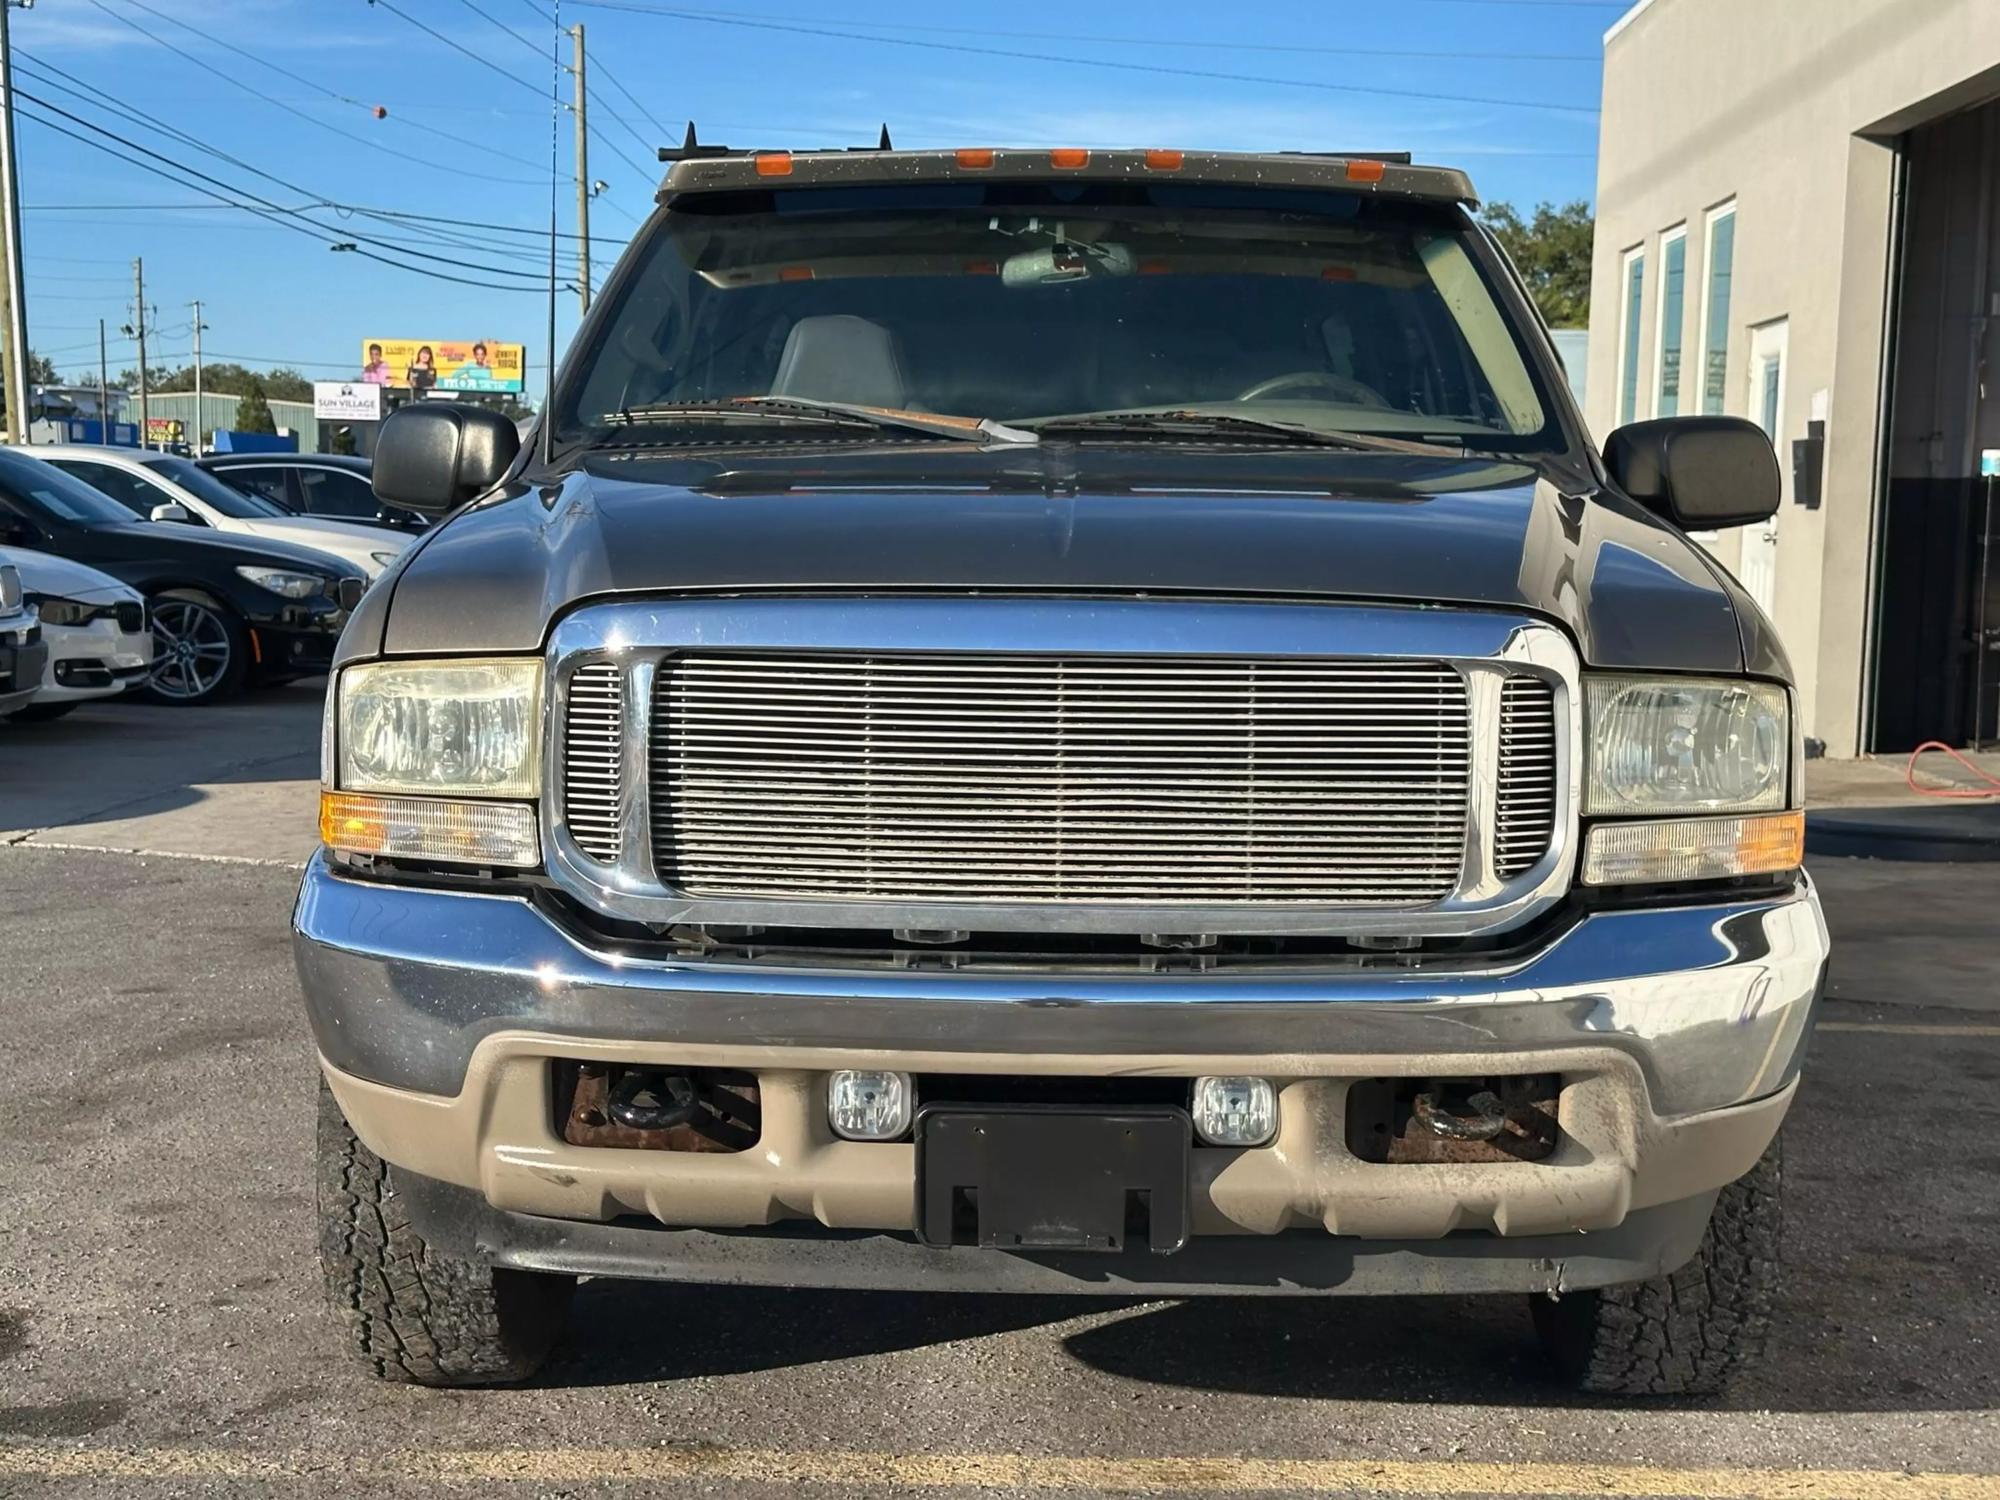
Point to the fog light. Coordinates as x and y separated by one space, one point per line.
1235 1111
863 1105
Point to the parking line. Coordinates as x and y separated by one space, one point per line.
1908 1028
989 1471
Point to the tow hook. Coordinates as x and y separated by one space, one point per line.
1490 1119
652 1101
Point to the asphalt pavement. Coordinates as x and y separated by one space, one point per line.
160 1328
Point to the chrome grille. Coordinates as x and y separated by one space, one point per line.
1033 778
593 735
1525 814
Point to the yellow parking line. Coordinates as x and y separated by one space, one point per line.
1903 1028
990 1471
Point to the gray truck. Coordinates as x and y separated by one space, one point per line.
1061 721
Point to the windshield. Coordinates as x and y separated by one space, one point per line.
226 498
59 495
1023 303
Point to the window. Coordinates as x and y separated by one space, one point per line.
1719 258
329 492
127 488
225 500
270 483
1667 338
1031 301
1628 336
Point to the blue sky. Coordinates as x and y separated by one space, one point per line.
1312 74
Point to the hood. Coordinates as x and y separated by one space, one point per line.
357 544
58 577
144 540
1290 523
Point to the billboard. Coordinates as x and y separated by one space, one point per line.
347 401
425 365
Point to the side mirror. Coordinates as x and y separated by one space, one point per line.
173 510
1701 473
433 456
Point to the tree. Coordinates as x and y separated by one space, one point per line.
42 370
253 412
1552 251
226 378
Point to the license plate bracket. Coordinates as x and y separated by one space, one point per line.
1052 1177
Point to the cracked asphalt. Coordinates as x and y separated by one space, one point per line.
160 1332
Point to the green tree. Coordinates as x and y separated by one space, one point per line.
42 369
226 378
253 412
1552 251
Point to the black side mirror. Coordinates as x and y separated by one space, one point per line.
1701 473
433 456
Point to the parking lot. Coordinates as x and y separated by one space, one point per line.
160 1327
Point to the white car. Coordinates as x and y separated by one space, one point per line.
163 487
21 650
94 627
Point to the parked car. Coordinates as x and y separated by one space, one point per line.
1117 735
163 487
95 628
225 610
22 654
331 486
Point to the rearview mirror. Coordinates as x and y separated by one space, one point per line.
172 510
433 456
1701 473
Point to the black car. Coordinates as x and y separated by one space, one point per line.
331 486
225 610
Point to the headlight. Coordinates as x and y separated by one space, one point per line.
456 728
383 559
63 611
1663 746
289 585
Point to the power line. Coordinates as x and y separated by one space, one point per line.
645 171
1014 54
198 144
1203 44
269 211
278 103
333 94
535 51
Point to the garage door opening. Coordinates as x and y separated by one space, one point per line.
1935 677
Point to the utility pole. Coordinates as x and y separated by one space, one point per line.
582 172
14 325
138 329
103 388
199 429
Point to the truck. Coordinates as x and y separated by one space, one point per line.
1061 720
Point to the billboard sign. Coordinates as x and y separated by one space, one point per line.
424 366
171 431
347 401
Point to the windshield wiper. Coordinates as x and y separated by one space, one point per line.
807 411
1185 423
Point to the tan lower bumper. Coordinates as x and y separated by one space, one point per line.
1616 1155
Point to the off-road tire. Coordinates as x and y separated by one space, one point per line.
1690 1332
411 1313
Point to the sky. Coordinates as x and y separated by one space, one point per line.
441 108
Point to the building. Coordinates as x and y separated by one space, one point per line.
1798 221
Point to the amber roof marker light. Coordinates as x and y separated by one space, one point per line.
1165 161
1366 171
976 158
1069 156
774 163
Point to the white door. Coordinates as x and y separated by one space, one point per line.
1758 568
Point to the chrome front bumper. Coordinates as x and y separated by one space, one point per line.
1711 1004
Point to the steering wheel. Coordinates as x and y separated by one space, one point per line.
1346 391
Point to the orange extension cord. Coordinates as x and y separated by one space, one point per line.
1991 789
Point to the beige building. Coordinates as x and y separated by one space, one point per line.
1798 221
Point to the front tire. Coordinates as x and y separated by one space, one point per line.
1692 1331
409 1312
201 651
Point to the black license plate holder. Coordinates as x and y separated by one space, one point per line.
1051 1177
